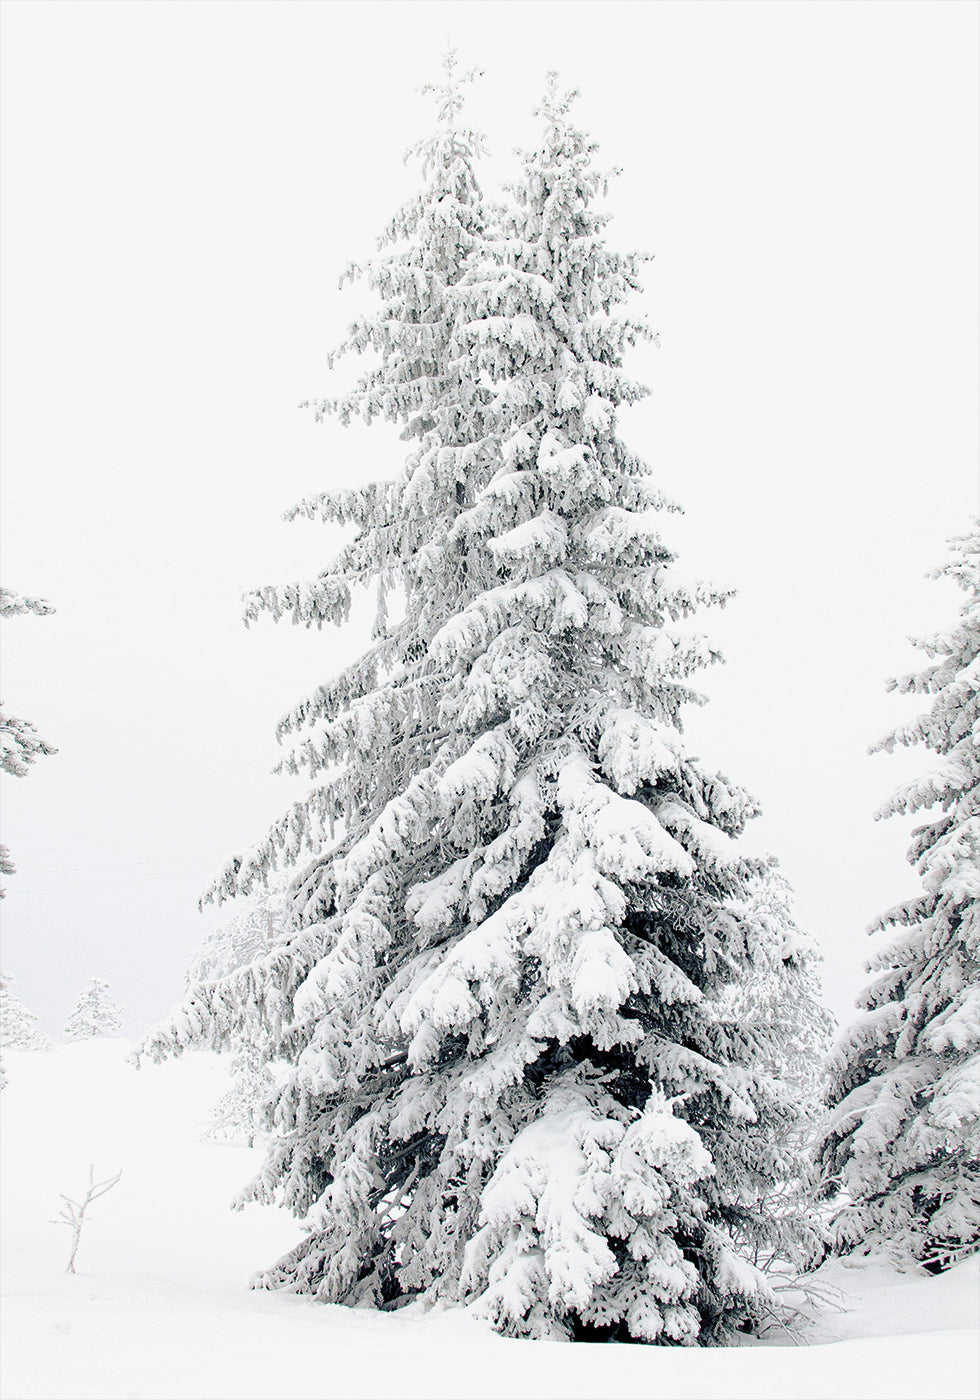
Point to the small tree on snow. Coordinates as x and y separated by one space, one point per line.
510 1081
20 743
778 999
254 930
19 1029
243 1111
902 1144
95 1013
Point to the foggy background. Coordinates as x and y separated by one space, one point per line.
182 186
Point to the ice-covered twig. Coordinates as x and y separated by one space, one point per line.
73 1212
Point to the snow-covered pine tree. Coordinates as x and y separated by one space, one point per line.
19 1029
256 928
512 1082
243 1110
94 1013
902 1144
253 929
782 989
778 1000
20 743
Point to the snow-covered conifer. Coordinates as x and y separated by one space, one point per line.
902 1145
243 1110
778 1000
255 927
782 989
258 926
383 710
512 1081
20 743
19 1029
94 1013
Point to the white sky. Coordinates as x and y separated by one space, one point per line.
182 186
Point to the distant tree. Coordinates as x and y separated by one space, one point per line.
19 1029
778 1000
244 1109
902 1145
20 743
256 928
95 1013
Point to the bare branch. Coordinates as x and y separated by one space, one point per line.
73 1212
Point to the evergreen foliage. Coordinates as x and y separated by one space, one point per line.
782 990
94 1013
513 1081
778 1000
903 1141
20 743
19 1029
252 930
15 605
243 1110
258 926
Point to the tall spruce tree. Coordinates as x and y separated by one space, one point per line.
902 1144
20 743
512 1083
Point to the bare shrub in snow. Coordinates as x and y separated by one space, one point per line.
74 1213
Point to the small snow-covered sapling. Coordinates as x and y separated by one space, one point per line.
73 1212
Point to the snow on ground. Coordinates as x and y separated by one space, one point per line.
160 1308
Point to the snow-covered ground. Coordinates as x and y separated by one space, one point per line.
160 1305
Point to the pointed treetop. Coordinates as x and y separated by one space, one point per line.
565 144
443 148
449 95
555 104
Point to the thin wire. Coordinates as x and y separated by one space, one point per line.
125 865
115 884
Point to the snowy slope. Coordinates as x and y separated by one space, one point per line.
160 1307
